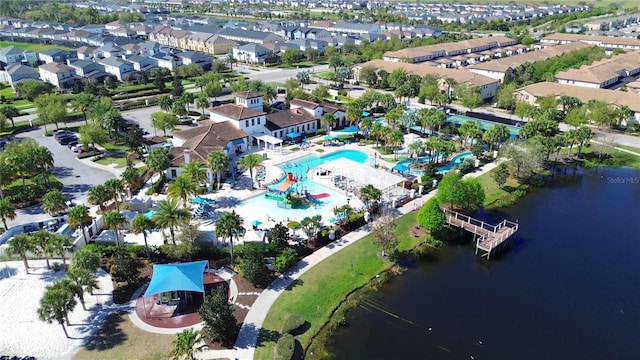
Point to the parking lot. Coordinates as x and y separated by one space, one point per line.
76 176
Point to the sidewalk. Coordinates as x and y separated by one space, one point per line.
244 348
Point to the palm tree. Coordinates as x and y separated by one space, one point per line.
41 245
98 195
228 225
7 211
395 140
158 160
218 164
113 220
83 277
195 171
365 126
20 244
115 188
328 120
202 102
83 102
59 245
416 148
54 202
73 287
250 162
130 179
165 103
170 215
187 98
79 218
370 193
182 188
184 344
42 160
6 173
55 304
140 225
450 82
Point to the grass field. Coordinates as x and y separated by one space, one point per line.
119 339
630 148
496 197
119 160
31 47
319 291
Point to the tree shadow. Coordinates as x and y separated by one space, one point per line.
265 335
109 335
75 188
62 171
302 329
50 276
8 272
285 283
32 210
298 351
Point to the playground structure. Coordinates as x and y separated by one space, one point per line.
293 194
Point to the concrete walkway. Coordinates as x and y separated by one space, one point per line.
248 337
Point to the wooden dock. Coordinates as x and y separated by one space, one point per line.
488 237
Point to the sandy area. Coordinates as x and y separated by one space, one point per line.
23 334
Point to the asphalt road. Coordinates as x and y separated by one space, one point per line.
75 175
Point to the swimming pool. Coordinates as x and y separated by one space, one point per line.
455 161
514 131
348 130
327 198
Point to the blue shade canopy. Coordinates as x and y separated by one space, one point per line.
174 277
401 168
293 135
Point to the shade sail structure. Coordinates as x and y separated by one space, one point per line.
293 135
174 277
401 168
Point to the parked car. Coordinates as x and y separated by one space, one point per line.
60 133
67 139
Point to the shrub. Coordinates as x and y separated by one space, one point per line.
286 259
291 322
88 154
48 133
321 131
285 347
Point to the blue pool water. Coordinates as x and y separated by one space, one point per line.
149 213
349 130
455 161
484 124
299 168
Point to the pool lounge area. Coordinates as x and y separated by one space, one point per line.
514 131
455 161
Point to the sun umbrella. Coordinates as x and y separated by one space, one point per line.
256 223
328 137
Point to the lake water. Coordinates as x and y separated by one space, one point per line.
567 288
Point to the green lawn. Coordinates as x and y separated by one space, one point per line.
114 147
498 197
31 47
7 91
119 160
320 290
630 148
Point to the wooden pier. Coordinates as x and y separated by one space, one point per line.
488 237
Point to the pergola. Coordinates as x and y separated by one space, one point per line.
268 139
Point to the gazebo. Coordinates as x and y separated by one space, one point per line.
176 277
271 140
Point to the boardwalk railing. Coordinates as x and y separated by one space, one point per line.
489 236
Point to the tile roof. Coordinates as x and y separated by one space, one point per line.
248 95
304 103
200 141
615 97
56 68
235 112
286 118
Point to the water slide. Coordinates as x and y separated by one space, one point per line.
320 196
274 197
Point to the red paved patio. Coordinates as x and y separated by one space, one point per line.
166 316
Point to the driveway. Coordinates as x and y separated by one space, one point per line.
75 175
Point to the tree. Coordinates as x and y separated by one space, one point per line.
334 60
98 195
451 83
290 56
202 102
368 75
163 121
311 225
55 305
114 220
177 88
178 108
397 78
170 215
584 135
195 171
190 70
285 259
328 120
383 233
183 346
86 258
227 226
141 225
250 162
83 102
182 188
431 217
217 314
114 188
123 267
42 160
54 202
165 102
449 189
278 239
469 130
312 54
92 133
320 93
500 174
505 98
158 79
31 89
342 74
213 89
134 138
41 245
524 158
52 109
7 212
302 76
20 244
78 217
370 195
10 112
158 159
546 128
395 140
469 96
218 164
473 194
252 264
496 134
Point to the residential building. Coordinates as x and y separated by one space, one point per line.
120 68
604 73
311 107
602 41
58 74
56 55
15 55
85 52
142 63
251 53
285 122
246 114
88 70
630 99
194 57
14 73
249 36
167 60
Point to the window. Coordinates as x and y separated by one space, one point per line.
253 122
246 123
258 121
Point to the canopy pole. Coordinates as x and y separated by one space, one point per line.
144 305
